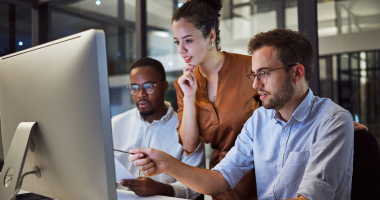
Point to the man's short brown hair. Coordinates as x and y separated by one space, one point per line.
292 47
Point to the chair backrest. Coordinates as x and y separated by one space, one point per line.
366 170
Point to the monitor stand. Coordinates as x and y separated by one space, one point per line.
15 159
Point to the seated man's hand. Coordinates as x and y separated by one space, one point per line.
150 161
301 197
358 126
145 186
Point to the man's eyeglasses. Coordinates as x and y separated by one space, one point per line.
148 88
262 76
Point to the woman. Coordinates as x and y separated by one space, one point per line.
215 98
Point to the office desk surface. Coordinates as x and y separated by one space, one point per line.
128 195
124 195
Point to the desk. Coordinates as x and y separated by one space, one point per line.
124 195
127 195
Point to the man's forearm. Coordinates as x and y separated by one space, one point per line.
200 180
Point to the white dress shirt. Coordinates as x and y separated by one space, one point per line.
131 131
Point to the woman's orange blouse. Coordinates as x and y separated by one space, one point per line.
220 124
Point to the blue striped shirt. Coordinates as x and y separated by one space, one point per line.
311 154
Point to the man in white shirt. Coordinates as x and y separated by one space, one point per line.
152 125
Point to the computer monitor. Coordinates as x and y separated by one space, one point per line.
63 86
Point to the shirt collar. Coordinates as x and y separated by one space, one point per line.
164 118
225 65
276 117
169 113
302 111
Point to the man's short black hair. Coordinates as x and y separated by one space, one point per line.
150 62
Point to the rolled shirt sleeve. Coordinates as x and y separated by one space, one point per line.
239 160
330 165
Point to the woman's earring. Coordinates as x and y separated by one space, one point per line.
210 46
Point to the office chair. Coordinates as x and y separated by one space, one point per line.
366 170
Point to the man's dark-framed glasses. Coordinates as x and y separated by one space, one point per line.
262 76
147 87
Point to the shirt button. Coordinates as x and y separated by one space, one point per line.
286 129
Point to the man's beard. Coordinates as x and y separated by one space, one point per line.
282 96
146 113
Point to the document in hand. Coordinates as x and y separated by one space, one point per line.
122 172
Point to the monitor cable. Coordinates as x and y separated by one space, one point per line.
35 171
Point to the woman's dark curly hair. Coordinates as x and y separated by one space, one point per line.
204 14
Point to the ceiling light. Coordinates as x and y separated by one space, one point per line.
163 34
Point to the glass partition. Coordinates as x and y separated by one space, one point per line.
242 19
161 43
352 81
15 28
67 19
348 16
349 63
117 19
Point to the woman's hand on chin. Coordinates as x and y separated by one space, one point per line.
188 84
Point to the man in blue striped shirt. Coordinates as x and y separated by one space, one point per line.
300 145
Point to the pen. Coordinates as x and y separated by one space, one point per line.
123 151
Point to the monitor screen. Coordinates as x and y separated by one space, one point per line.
63 86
